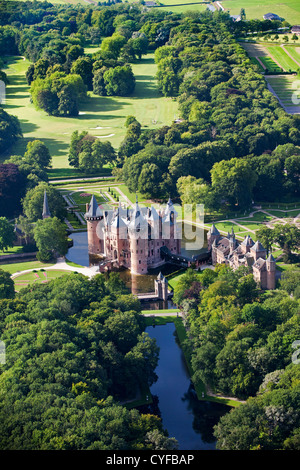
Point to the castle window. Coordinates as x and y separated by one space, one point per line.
141 251
139 261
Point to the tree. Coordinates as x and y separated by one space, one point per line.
38 154
288 238
10 130
266 236
119 81
33 202
98 81
50 238
83 66
234 180
7 234
7 286
12 189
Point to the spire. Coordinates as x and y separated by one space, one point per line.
46 213
94 210
271 258
214 230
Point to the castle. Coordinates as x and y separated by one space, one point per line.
131 238
247 253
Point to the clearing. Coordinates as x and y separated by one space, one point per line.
102 117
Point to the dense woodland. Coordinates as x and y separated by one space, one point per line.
76 348
241 343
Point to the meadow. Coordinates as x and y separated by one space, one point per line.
279 54
255 9
102 117
37 277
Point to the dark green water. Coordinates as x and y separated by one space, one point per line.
186 418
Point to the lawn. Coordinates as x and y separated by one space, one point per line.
282 58
103 117
255 9
39 277
270 65
286 88
294 52
14 268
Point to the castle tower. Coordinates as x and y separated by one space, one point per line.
94 217
214 257
258 251
138 238
169 229
246 244
271 272
232 242
46 212
212 235
119 239
161 287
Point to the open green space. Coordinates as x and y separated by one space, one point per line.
14 268
294 51
255 9
279 54
11 251
38 277
287 88
270 65
102 117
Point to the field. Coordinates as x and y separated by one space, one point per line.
287 9
279 54
287 88
38 277
102 117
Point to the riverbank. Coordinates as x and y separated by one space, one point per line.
203 393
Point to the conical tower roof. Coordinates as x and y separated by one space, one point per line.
271 258
94 210
213 230
257 246
46 211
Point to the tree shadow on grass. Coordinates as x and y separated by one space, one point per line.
27 126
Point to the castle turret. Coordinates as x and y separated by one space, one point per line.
170 232
94 217
258 251
161 287
46 212
138 235
271 272
212 235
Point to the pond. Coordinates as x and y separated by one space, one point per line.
185 417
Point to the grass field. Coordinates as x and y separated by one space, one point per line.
282 58
13 268
287 88
294 51
287 9
102 117
270 65
39 277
